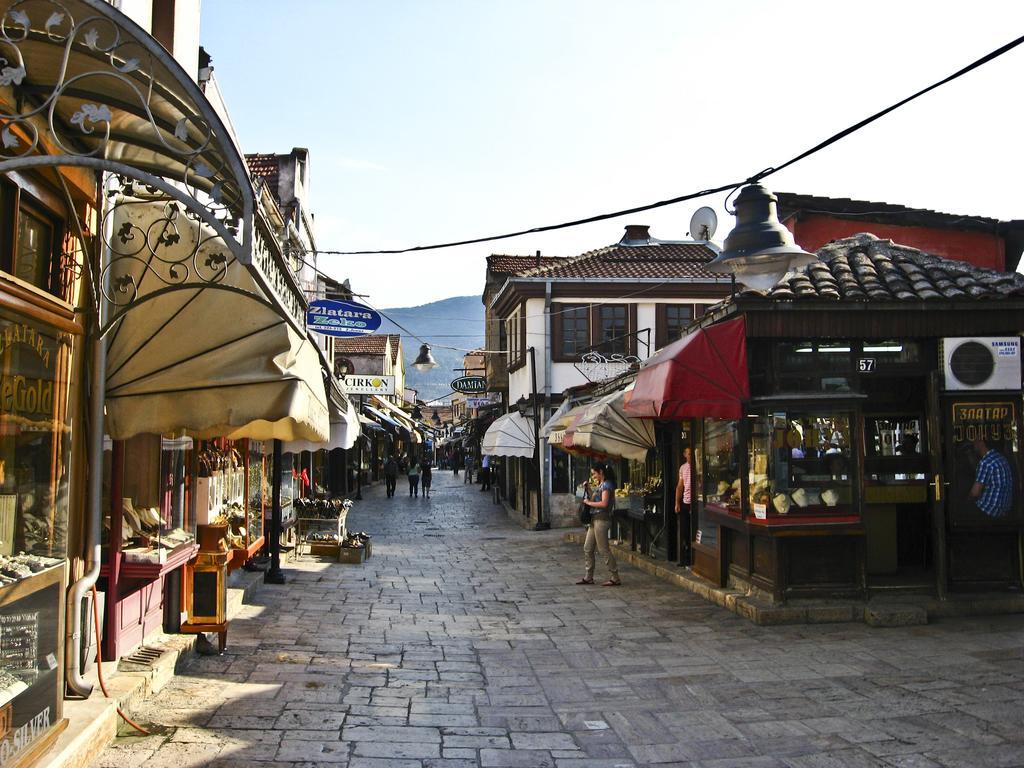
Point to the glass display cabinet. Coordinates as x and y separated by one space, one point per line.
35 455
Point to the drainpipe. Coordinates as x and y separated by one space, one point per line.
75 683
546 449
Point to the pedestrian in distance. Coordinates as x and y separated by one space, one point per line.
599 495
485 474
456 463
414 477
390 475
426 478
470 463
684 498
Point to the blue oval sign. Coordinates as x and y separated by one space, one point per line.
341 318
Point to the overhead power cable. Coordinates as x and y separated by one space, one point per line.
704 192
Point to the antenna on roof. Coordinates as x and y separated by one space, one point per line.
703 224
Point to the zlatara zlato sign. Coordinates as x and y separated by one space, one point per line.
341 318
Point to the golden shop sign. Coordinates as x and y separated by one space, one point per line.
21 392
992 422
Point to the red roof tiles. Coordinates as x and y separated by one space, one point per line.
374 344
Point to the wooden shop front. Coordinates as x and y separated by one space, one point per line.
847 466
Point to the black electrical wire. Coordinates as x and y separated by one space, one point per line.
705 192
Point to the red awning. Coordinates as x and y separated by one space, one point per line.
702 374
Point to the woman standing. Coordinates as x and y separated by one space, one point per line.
602 503
427 475
414 476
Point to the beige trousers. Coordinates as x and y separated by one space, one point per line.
597 536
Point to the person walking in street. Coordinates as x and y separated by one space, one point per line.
456 462
485 474
470 462
426 478
414 477
390 475
684 497
600 497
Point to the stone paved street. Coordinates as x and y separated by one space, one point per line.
464 642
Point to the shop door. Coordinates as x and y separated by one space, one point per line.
897 513
937 486
982 532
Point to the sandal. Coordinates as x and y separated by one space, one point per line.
585 581
611 583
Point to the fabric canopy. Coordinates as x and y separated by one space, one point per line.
605 428
702 374
214 360
383 418
369 425
559 419
345 430
509 435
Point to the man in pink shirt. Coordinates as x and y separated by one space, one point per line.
683 500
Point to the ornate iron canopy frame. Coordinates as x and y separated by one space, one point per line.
91 89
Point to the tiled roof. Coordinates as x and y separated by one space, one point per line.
264 166
864 267
657 260
512 265
374 344
395 338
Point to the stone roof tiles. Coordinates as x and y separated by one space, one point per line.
866 267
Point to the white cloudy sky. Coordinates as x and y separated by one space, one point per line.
437 120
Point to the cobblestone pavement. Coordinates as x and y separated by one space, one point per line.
463 642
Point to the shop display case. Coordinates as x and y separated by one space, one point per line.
722 481
156 527
35 451
800 465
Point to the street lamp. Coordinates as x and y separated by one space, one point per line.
522 405
760 250
435 419
417 413
424 361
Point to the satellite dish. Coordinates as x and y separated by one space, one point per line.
703 224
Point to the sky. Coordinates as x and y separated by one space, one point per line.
436 120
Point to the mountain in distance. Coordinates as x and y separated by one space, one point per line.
455 322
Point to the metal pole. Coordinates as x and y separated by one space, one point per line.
274 574
541 525
359 460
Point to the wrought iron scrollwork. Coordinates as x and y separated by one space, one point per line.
597 367
155 243
66 100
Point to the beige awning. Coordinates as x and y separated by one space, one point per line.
345 430
215 359
509 435
605 428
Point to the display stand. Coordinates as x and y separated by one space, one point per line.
206 588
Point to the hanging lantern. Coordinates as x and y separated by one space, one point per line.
425 361
759 251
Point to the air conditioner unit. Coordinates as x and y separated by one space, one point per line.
985 363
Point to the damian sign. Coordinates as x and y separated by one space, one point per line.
470 385
341 318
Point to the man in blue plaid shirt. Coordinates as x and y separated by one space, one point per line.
993 481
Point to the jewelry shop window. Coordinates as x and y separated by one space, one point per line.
800 464
35 450
156 522
722 482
